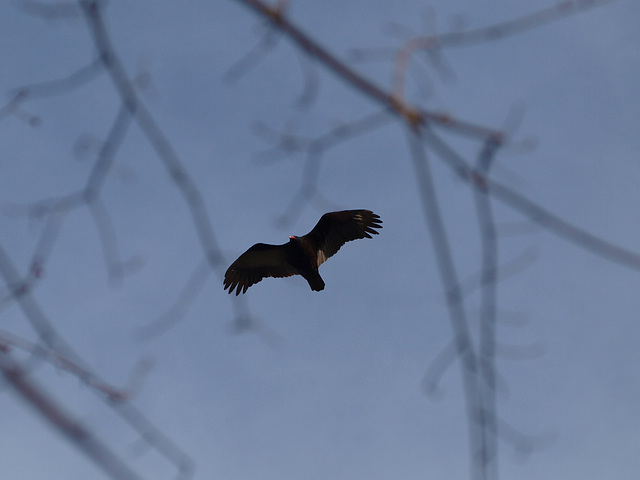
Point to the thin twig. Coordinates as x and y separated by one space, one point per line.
315 149
505 271
489 281
437 368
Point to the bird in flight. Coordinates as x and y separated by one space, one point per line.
301 255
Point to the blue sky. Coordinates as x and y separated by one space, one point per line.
330 387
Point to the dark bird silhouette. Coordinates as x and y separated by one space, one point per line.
302 255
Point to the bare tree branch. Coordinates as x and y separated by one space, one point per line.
50 11
62 421
503 272
545 218
152 131
158 140
52 339
489 281
116 394
315 149
267 43
455 303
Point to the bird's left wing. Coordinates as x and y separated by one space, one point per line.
260 261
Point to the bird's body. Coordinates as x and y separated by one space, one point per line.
301 255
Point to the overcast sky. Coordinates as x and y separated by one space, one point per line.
330 384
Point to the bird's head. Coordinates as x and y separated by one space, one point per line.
292 237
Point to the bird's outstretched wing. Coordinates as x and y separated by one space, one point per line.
337 228
261 260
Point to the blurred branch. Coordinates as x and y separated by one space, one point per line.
60 86
241 325
55 209
132 107
37 266
288 143
443 360
434 44
518 227
49 88
160 143
545 218
58 360
50 11
52 339
266 44
520 352
62 421
152 131
514 26
503 272
307 191
437 368
363 85
315 149
107 235
13 108
489 281
311 83
523 444
462 338
251 58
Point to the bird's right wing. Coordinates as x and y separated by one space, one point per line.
260 261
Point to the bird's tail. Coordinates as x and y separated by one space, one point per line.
315 282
